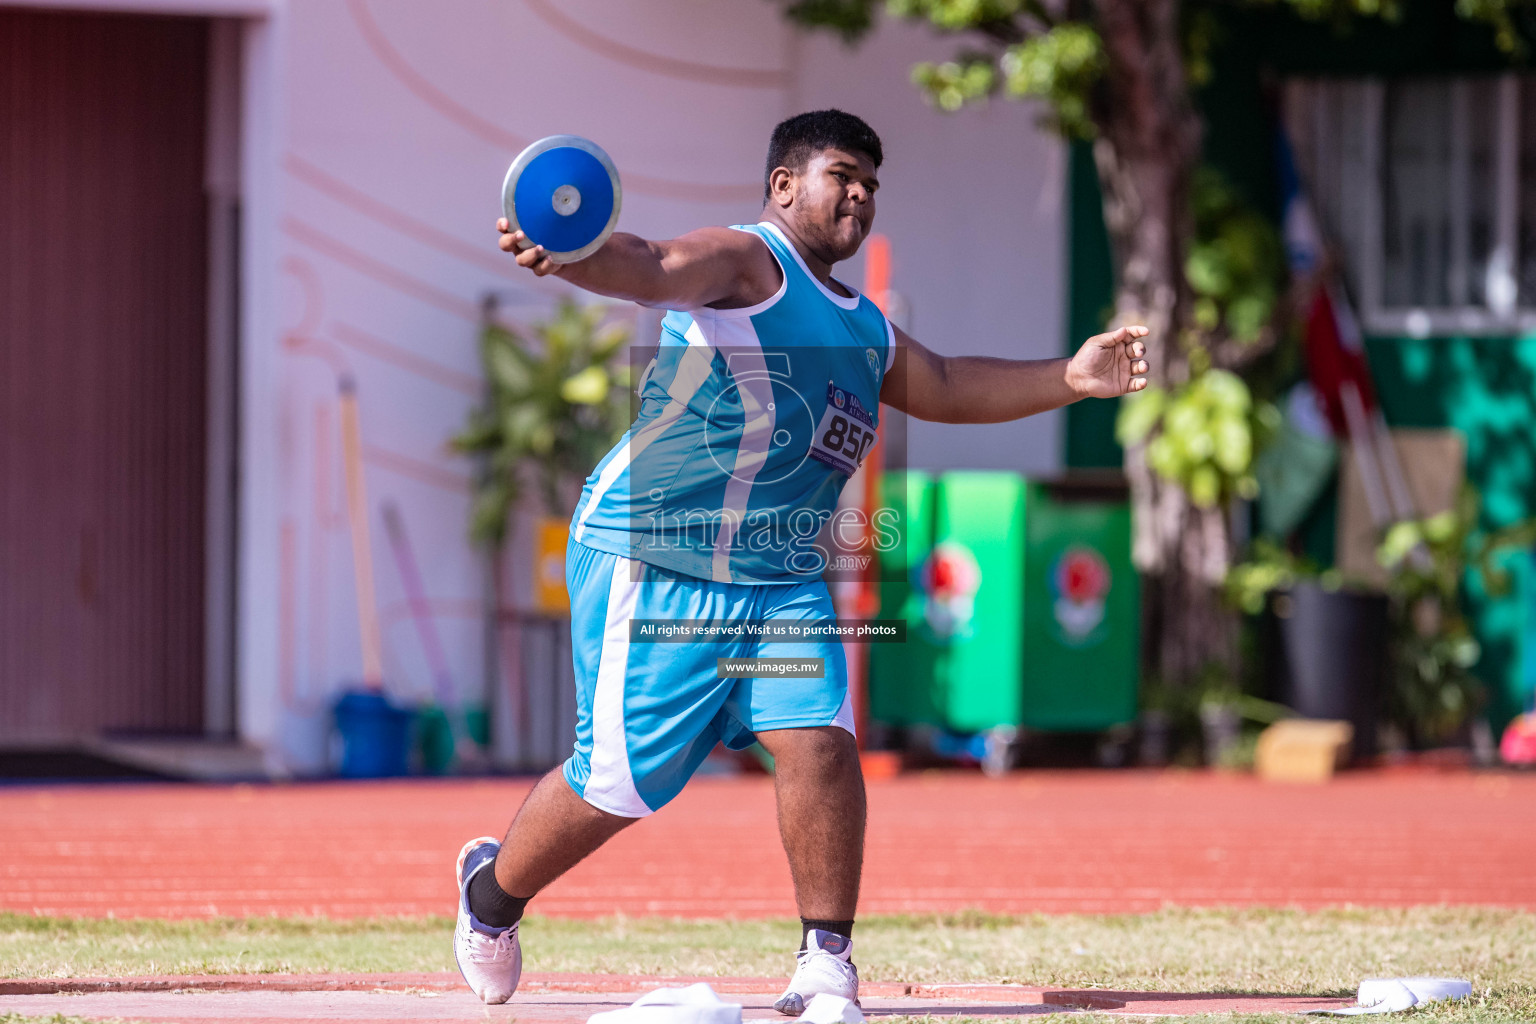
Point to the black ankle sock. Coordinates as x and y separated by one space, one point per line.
490 903
844 928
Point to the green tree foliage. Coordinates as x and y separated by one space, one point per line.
1204 433
557 403
1513 21
1026 49
1032 52
1201 435
1235 264
1193 261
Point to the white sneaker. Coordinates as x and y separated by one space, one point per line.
490 959
825 965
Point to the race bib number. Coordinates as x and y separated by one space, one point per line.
846 432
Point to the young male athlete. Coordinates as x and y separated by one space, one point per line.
762 400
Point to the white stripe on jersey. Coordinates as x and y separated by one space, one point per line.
692 371
749 372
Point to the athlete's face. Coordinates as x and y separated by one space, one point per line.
833 202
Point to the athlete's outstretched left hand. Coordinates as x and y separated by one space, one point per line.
1110 365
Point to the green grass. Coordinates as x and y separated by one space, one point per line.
1253 951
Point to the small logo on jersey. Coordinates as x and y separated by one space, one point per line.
873 360
839 399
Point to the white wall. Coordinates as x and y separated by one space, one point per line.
395 123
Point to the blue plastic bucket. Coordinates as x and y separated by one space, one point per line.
375 736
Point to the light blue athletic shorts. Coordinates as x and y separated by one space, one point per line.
649 713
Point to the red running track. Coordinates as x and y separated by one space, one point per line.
1051 841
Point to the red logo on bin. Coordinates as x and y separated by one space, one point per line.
1080 580
1081 575
949 578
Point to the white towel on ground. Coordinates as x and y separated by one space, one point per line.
1389 995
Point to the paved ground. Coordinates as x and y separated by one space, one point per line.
557 999
1047 841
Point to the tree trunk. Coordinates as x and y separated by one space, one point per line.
1147 151
1190 631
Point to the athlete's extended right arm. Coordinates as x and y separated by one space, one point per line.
703 267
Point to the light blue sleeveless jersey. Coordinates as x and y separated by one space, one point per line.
751 421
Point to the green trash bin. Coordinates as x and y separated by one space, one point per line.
1082 608
979 522
901 676
1020 601
956 577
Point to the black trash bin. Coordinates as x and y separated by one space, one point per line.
1334 645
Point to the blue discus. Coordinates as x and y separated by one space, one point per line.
563 193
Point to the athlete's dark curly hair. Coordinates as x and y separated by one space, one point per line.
797 139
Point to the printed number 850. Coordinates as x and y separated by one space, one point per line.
850 439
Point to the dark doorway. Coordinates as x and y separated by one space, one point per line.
103 374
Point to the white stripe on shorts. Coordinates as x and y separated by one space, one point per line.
610 786
844 716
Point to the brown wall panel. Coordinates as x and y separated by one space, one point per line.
102 373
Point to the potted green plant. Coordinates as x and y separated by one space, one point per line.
1329 646
1402 658
555 403
1214 722
1221 720
1434 695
